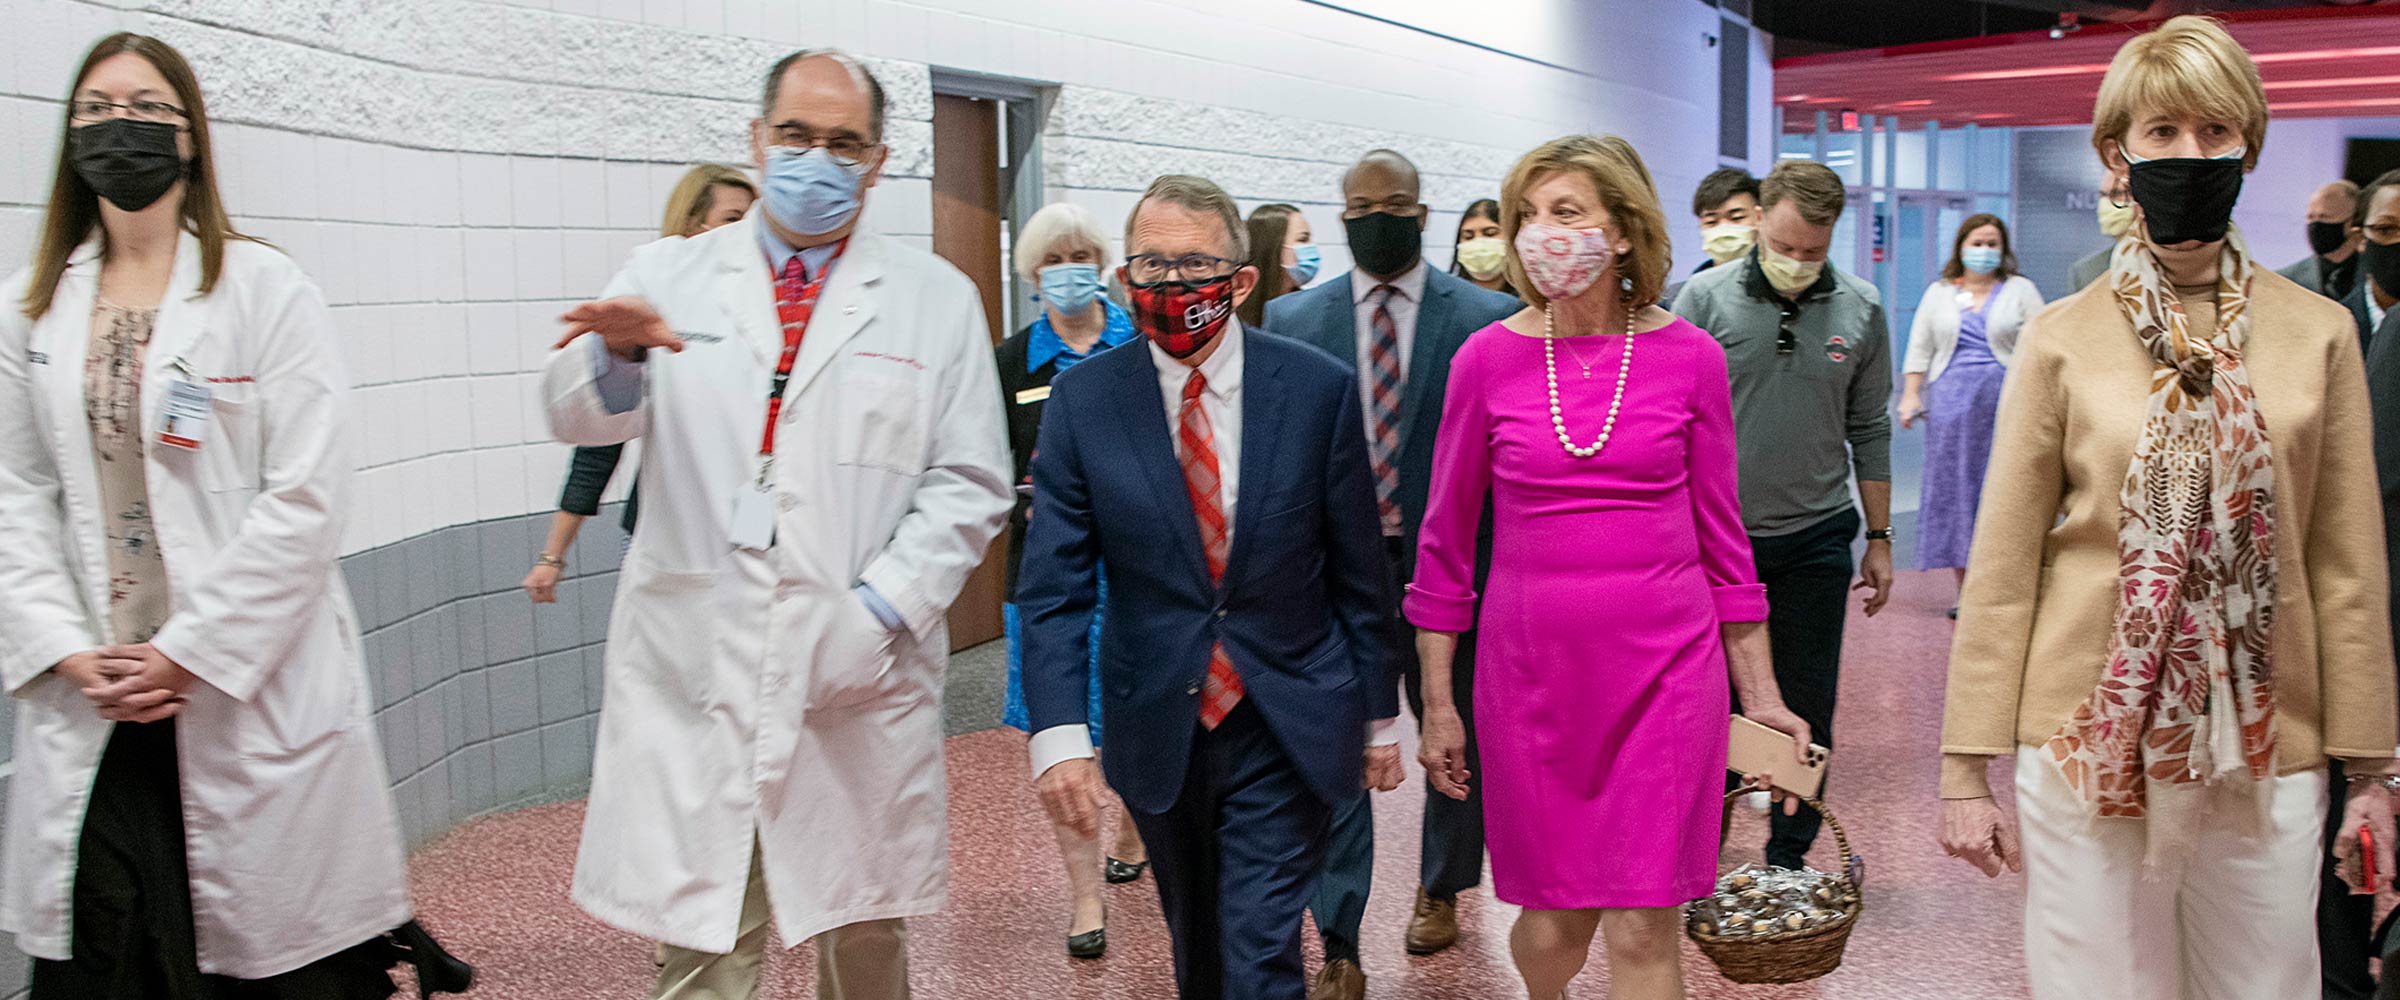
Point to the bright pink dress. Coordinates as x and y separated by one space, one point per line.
1600 682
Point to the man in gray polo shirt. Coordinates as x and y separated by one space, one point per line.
1806 347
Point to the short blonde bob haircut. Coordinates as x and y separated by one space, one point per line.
696 193
1627 194
2187 66
1059 221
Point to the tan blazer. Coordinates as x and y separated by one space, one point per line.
2040 598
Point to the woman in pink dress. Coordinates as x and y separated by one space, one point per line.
1621 583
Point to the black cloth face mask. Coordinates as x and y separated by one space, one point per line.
131 163
2186 198
1382 243
2326 237
2381 261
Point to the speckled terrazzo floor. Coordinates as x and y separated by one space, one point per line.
496 889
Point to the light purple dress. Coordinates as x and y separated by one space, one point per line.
1600 681
1962 410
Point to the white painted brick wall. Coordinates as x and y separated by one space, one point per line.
454 173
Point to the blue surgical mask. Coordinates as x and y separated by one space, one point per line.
809 192
1306 258
1070 288
1981 260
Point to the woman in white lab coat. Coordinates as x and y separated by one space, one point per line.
199 807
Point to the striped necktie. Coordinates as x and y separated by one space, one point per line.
1223 689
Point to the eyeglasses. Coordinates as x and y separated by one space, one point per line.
1150 268
849 150
1410 209
95 112
2384 232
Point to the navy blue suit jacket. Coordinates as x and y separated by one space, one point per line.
1326 317
1305 610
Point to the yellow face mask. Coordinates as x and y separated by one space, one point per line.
1791 277
1483 257
2115 219
1728 241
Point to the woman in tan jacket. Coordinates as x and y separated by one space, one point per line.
2174 610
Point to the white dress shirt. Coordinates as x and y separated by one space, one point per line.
2375 313
1221 401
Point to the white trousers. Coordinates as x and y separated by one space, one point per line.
2235 920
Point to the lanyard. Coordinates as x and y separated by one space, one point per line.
794 313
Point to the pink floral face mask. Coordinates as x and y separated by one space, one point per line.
1563 262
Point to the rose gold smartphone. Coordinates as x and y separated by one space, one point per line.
1756 749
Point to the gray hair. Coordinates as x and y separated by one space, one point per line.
1058 222
1198 194
858 73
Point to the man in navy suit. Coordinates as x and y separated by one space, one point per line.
1222 476
1395 321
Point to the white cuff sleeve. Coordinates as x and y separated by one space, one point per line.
1057 744
1383 732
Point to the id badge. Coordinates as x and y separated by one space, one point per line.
754 510
183 420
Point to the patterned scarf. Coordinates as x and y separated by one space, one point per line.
2189 694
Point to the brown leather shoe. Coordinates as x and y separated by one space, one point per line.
1434 926
1340 979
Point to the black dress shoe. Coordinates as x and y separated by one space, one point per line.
1120 872
438 971
1088 945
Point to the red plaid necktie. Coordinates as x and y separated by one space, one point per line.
1223 689
1383 407
795 302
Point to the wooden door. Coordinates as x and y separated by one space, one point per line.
966 232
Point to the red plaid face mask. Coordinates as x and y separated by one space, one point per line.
1181 317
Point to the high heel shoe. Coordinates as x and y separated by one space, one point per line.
438 971
1121 872
1092 943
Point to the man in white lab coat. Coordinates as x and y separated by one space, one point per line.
824 464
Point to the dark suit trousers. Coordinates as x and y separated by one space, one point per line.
1451 857
2345 923
1807 574
1236 858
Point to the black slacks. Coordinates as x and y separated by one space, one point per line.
132 929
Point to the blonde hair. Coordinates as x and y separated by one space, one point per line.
1626 192
1059 220
2189 65
688 204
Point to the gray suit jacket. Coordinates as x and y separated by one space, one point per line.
1326 317
2088 270
2304 272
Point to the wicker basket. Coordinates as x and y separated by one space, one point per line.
1789 956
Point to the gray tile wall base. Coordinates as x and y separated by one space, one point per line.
486 701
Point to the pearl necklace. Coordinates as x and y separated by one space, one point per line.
1558 419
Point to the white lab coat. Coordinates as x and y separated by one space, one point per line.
288 819
754 694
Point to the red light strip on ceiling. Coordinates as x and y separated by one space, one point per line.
2335 81
2358 102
